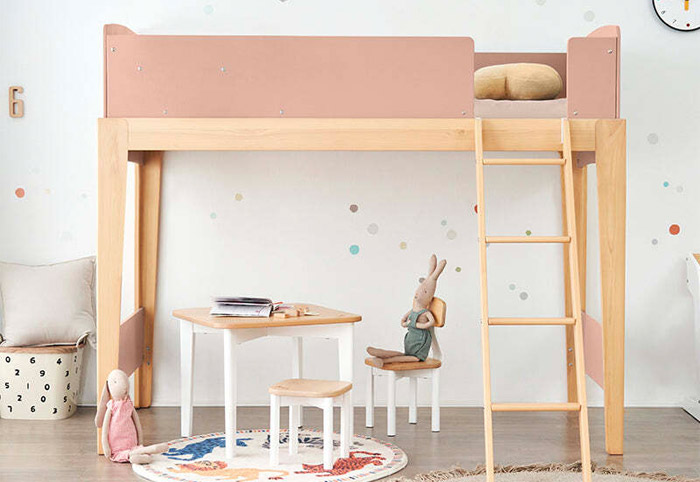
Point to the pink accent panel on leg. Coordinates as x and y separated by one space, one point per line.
254 76
593 348
131 342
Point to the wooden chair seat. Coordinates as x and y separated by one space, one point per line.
301 387
428 364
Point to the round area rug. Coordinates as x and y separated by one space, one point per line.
201 458
544 473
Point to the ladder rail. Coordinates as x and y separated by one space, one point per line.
485 345
576 303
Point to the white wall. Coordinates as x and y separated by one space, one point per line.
288 237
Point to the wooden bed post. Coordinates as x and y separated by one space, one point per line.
111 201
148 176
611 160
580 176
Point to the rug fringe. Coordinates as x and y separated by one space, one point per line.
457 472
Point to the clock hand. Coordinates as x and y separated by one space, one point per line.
687 4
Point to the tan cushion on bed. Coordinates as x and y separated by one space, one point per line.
517 82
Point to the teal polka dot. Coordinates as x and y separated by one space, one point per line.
444 222
665 183
354 249
208 9
212 215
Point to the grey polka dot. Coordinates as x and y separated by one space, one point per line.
589 16
653 138
421 279
679 189
354 208
511 286
444 222
540 2
654 241
84 195
524 295
451 234
66 236
208 9
373 228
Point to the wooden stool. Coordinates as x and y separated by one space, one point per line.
429 369
316 393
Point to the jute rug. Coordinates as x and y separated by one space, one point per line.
543 473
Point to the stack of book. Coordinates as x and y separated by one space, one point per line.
241 306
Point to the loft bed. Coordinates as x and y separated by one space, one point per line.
173 93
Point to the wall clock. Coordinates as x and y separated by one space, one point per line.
681 15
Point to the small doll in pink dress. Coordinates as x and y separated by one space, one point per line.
121 435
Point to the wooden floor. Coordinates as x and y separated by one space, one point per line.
657 439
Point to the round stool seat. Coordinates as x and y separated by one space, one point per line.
302 387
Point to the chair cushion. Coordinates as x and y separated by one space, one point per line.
428 364
302 387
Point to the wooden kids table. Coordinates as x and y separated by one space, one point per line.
327 324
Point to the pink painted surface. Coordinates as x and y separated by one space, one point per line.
593 348
557 60
131 342
593 75
182 76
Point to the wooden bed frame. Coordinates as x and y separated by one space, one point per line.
174 93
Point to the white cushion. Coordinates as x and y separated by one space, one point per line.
51 304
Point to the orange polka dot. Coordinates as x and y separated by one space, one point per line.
19 192
674 229
476 208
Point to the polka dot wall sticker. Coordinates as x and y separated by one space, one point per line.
458 269
476 208
589 16
666 184
674 229
451 234
19 192
524 295
373 228
208 9
443 222
212 215
528 233
512 286
654 241
540 2
238 196
653 138
679 189
421 279
354 249
353 208
403 245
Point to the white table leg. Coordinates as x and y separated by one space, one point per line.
186 376
345 355
230 391
345 411
413 400
293 430
298 372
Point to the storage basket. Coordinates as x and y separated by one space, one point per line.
40 383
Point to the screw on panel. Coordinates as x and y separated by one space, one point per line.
575 112
113 49
610 51
165 111
281 111
139 68
223 69
464 112
571 364
571 349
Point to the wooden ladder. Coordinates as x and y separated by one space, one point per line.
569 239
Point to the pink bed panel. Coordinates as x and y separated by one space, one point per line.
131 342
256 76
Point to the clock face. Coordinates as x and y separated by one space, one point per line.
682 15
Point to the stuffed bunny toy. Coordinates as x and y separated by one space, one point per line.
121 435
419 320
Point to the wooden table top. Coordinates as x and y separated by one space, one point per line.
326 316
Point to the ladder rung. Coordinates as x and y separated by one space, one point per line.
528 239
536 407
531 321
524 162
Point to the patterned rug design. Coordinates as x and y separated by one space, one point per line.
201 458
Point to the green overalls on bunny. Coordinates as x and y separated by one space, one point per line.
417 340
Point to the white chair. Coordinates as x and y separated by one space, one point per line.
324 394
429 369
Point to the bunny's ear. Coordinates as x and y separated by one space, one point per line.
438 271
431 265
102 406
